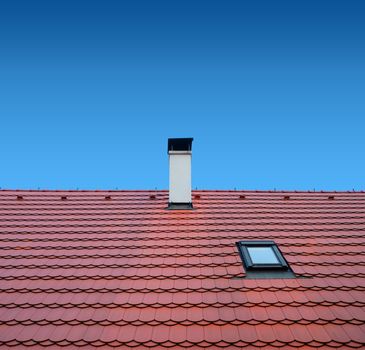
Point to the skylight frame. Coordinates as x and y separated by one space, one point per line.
250 265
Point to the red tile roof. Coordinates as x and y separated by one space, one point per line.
79 269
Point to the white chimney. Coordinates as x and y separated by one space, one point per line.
179 151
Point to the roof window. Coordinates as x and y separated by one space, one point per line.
263 259
262 255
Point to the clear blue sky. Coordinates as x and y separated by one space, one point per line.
273 93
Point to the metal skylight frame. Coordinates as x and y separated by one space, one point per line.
250 265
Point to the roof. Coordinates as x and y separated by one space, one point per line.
90 269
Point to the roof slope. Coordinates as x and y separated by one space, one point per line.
81 269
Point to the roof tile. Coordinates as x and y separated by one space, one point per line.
76 333
301 333
131 314
325 312
179 314
212 334
265 333
195 334
147 314
248 334
226 314
308 313
211 314
143 334
27 333
243 314
177 334
230 333
160 334
355 334
195 314
126 333
110 333
275 313
282 333
163 314
93 333
318 332
292 313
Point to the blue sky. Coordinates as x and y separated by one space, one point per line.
273 93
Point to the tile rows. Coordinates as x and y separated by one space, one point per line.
185 336
81 270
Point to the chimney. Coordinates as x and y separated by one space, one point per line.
179 151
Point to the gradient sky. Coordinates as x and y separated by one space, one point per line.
273 93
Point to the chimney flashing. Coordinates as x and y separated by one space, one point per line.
180 206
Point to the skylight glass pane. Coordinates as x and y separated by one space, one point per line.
262 255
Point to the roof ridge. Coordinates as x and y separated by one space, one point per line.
165 190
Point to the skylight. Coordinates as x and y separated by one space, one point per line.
262 255
263 259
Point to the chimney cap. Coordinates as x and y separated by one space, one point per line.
179 144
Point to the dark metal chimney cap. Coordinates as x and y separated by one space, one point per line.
180 144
